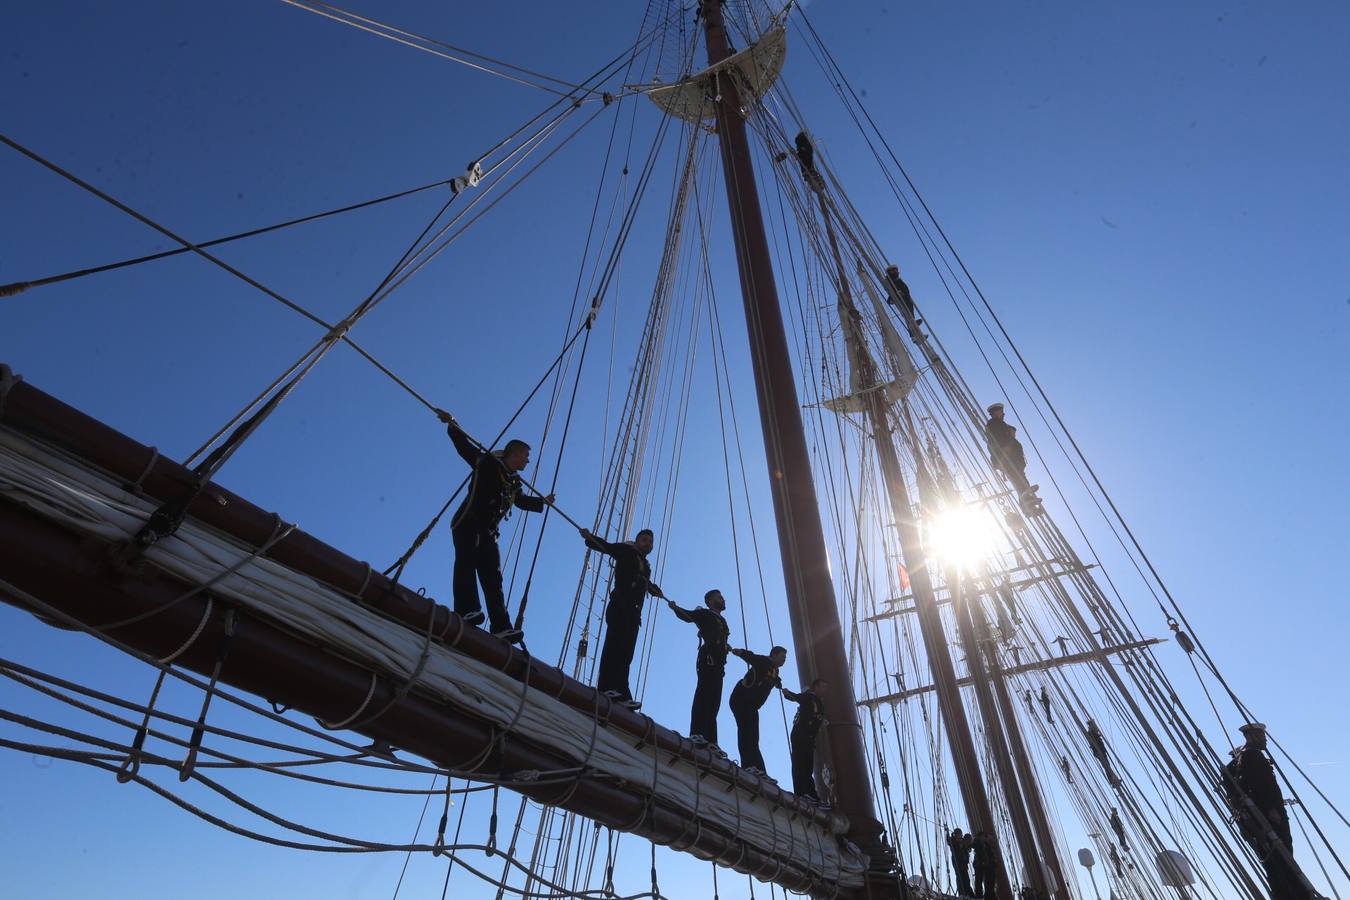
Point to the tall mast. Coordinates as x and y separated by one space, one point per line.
1040 822
814 617
973 793
994 732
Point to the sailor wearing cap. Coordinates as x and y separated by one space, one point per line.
1006 456
1258 804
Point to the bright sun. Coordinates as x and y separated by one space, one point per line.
962 536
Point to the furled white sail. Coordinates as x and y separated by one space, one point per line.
865 375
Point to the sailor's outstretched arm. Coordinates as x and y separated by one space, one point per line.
684 615
598 544
465 446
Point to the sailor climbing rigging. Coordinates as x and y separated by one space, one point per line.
901 299
1097 744
494 489
1006 456
623 615
710 665
1119 828
806 156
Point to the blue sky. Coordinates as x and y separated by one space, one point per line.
1153 198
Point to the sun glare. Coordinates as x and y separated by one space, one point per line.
962 536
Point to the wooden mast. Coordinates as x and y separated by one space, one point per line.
995 736
1057 886
973 794
814 617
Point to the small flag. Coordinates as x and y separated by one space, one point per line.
904 577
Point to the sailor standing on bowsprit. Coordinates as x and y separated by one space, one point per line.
802 739
494 489
623 615
748 696
710 666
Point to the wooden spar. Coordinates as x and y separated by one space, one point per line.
72 575
816 632
943 601
1034 666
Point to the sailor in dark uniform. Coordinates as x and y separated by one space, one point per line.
710 665
806 155
1258 805
960 846
494 489
1119 828
802 739
985 880
1007 456
1097 743
748 696
902 299
623 614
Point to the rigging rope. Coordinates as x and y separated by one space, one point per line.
18 287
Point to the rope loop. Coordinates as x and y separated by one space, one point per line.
492 824
192 638
338 726
199 730
365 582
401 692
131 766
136 487
438 849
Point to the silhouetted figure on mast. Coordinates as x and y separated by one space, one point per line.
494 489
986 865
1119 828
960 845
710 665
748 696
623 614
802 739
1097 744
1006 456
806 156
1257 802
903 300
